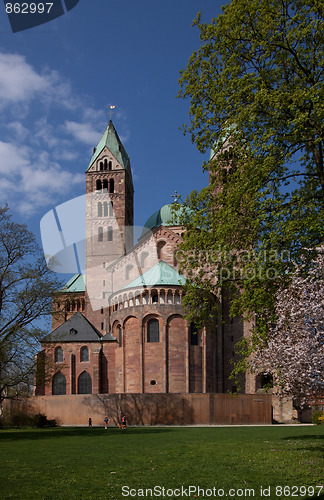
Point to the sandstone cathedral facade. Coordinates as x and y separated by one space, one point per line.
119 327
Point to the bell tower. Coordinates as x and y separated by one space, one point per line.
109 220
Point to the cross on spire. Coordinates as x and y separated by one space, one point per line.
111 108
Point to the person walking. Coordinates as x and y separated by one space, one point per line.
106 423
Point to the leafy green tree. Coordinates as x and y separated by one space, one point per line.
256 99
26 288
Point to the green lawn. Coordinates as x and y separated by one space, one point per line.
69 463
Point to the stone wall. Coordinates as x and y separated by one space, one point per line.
154 409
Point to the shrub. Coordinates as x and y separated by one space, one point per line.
318 417
22 419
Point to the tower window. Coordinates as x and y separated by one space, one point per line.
110 234
120 336
105 186
105 210
155 299
111 209
105 164
101 165
99 209
100 234
153 331
98 185
110 165
111 185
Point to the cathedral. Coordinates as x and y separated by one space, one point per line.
120 327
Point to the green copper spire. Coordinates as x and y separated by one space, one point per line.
111 140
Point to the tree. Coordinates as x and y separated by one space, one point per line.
256 93
26 288
294 350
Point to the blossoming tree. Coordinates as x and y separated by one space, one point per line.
293 351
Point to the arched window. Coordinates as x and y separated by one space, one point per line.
99 209
101 165
120 336
128 271
98 185
100 234
84 354
111 186
153 331
144 256
155 298
59 384
105 186
160 249
84 383
105 205
110 165
111 209
68 306
105 164
59 355
110 234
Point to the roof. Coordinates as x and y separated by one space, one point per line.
110 139
166 216
75 329
160 274
75 284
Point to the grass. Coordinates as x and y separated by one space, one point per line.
69 463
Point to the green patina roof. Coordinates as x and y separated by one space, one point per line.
160 274
75 284
111 140
166 216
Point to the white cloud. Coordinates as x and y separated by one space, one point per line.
83 132
12 159
37 181
18 80
31 179
21 132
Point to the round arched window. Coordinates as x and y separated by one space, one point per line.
153 331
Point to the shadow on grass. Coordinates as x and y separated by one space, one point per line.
17 434
304 436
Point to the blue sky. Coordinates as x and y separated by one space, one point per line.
57 82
